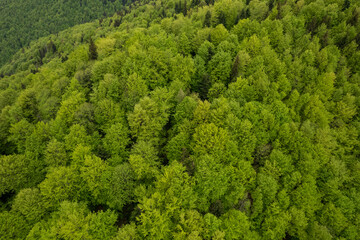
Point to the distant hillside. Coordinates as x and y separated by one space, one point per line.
22 21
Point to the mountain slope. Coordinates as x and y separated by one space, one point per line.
25 20
187 120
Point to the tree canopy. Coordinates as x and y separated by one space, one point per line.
186 119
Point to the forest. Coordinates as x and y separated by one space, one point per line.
23 21
186 119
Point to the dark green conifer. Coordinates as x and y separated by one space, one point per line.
93 55
207 21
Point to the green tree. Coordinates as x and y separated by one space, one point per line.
209 139
14 173
55 154
173 192
220 68
147 120
227 12
207 21
28 202
219 34
74 221
235 69
62 183
28 105
134 89
127 232
13 225
236 225
19 132
93 54
107 112
93 172
258 10
116 141
120 185
144 160
76 136
69 107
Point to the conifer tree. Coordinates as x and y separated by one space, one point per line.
185 8
207 21
93 54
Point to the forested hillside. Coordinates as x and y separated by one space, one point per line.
182 119
22 21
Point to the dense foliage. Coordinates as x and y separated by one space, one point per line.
226 119
22 21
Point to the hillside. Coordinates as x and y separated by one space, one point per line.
22 21
226 119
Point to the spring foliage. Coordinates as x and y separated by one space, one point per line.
181 119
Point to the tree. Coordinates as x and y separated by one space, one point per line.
219 34
209 139
85 117
13 225
276 223
74 221
28 104
204 86
216 91
190 225
333 218
206 51
110 88
144 160
120 185
76 136
226 12
235 224
19 132
346 109
14 173
28 202
5 123
185 8
319 231
135 88
299 222
93 55
147 120
173 192
107 112
116 141
235 69
62 183
93 172
127 232
220 68
35 144
69 107
258 10
212 227
207 21
178 147
316 112
55 154
214 183
79 154
307 197
102 224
